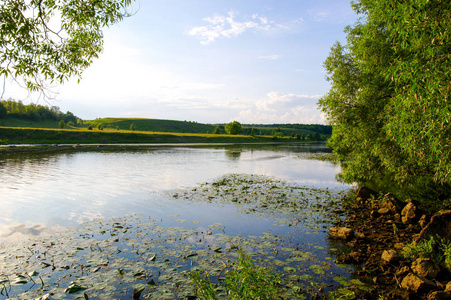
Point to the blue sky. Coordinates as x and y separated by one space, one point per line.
211 61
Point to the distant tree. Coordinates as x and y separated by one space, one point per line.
100 126
303 136
316 136
62 124
70 123
117 127
132 127
3 111
298 136
253 133
216 130
90 127
292 135
233 127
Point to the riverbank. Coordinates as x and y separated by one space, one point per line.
380 234
16 136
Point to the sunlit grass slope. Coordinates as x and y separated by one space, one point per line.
155 125
16 135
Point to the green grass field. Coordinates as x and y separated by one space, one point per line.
117 130
154 125
21 135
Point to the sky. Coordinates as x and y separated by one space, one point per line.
210 61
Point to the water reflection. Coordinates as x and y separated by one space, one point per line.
61 189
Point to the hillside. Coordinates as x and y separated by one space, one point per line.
155 125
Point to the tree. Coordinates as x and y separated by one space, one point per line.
45 42
3 112
216 130
390 92
132 127
62 124
253 132
233 127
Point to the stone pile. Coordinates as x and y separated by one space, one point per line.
376 231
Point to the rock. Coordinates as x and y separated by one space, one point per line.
365 193
439 295
342 233
423 221
409 213
355 257
440 225
448 287
399 246
425 267
359 235
391 203
403 271
416 284
374 214
390 256
383 211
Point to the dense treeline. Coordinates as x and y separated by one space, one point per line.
34 112
321 129
389 100
303 131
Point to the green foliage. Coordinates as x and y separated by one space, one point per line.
233 127
216 130
35 112
204 289
132 127
155 125
62 124
253 132
43 136
51 41
389 99
70 123
243 281
3 111
437 249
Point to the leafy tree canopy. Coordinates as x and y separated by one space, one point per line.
233 127
390 91
48 41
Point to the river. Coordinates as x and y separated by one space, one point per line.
41 194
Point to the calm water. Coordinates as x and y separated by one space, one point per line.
43 192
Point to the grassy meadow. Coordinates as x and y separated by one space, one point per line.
23 135
119 130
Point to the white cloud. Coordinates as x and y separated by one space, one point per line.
284 108
228 26
271 57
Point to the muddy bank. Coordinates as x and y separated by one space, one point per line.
376 232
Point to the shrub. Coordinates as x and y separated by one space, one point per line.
243 281
437 249
233 127
62 124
